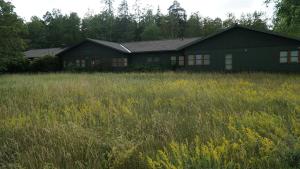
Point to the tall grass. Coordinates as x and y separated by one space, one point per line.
150 120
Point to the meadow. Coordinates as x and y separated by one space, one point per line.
150 120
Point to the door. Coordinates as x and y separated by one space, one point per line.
228 62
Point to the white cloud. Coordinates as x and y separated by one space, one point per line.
211 8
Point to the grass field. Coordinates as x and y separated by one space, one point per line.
150 120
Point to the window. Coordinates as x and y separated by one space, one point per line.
98 62
92 62
228 62
191 60
294 56
283 57
78 63
206 60
156 59
119 62
153 59
65 63
149 59
199 59
181 60
202 59
173 60
82 63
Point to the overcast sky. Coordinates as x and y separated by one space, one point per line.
211 8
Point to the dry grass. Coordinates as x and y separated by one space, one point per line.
150 120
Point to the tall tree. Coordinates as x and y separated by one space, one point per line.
108 6
11 31
211 25
37 33
62 30
230 20
125 25
151 32
256 20
287 16
194 26
177 19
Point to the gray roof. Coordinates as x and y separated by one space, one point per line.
36 53
159 45
112 45
164 45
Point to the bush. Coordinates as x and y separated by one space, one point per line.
45 64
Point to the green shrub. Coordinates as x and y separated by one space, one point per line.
45 64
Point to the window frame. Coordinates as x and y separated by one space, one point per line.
83 63
173 60
228 65
181 61
120 62
191 60
78 62
206 59
286 57
296 57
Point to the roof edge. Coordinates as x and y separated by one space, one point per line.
95 42
238 26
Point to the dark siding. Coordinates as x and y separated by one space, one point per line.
89 51
140 59
251 51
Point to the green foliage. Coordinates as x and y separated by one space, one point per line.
150 120
257 20
11 31
57 29
287 16
45 64
151 32
37 33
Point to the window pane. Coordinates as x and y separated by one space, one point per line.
149 59
283 59
181 61
198 57
228 67
82 63
294 53
156 59
206 62
181 58
283 54
191 59
228 56
228 61
294 59
78 63
125 62
206 57
199 62
173 58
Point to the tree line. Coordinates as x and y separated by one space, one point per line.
56 29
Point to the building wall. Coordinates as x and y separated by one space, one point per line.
101 56
153 59
251 51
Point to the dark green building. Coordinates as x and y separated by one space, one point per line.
234 49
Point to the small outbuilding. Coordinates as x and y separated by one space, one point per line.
237 48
